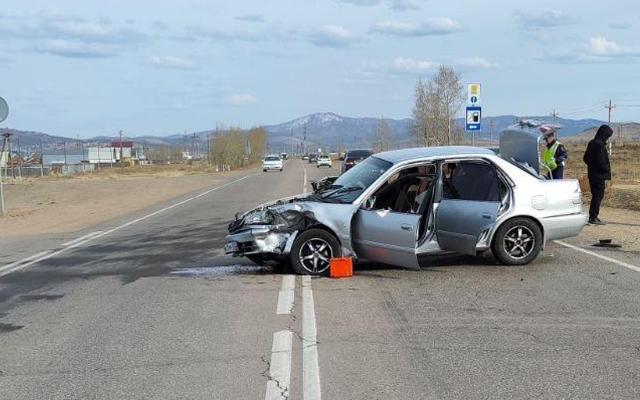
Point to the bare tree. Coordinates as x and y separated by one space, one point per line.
436 103
384 136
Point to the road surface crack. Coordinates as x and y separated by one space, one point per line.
284 391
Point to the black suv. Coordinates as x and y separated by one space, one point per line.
353 157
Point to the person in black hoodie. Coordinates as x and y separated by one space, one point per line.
599 170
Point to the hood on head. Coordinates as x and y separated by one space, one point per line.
604 132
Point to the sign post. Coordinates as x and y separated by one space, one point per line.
473 120
4 112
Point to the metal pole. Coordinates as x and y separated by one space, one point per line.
41 159
2 208
64 146
19 159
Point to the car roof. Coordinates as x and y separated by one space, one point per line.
396 156
359 150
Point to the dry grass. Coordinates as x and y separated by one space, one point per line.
624 188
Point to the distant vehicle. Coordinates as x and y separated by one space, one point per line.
272 162
353 157
284 156
313 158
324 161
305 156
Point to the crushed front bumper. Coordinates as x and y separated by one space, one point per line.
259 240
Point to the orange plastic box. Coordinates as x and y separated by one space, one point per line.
341 267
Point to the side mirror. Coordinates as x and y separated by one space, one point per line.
314 185
370 203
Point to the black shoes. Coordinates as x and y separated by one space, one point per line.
596 221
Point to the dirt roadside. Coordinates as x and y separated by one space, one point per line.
39 206
623 227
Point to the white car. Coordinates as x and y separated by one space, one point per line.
272 163
323 161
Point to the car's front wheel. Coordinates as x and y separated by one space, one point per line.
517 242
312 250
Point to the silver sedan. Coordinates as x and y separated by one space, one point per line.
398 205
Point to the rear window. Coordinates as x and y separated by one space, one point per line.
272 158
359 154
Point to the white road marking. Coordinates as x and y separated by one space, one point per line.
81 238
280 366
286 295
26 262
17 265
310 368
304 183
600 256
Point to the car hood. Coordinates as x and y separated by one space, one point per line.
273 209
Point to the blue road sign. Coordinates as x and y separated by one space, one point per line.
474 119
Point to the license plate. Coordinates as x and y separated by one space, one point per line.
231 247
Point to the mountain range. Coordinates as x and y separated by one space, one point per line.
324 129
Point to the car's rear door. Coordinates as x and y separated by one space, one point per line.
470 200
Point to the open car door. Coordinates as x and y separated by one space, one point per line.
386 236
470 200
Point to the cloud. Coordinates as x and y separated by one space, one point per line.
433 26
542 19
75 49
219 34
411 66
69 36
250 18
170 62
597 49
363 3
600 46
474 63
622 25
403 5
332 36
242 99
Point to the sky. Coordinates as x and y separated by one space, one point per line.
85 68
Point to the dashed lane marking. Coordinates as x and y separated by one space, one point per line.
286 295
280 366
310 368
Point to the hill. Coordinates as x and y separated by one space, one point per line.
625 132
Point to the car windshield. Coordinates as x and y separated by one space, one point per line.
272 158
353 182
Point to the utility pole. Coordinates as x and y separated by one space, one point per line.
41 160
64 146
120 146
6 137
610 107
193 146
19 159
554 114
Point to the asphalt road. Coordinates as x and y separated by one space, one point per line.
148 307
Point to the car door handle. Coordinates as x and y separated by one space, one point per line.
486 216
406 227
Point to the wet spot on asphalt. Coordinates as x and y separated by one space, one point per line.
38 297
223 270
9 327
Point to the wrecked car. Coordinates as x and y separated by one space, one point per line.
399 205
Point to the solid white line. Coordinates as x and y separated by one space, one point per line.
81 238
310 368
600 256
26 262
280 367
286 295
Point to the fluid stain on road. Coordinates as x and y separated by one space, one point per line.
9 327
38 297
223 270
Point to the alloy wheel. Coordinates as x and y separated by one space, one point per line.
314 255
519 242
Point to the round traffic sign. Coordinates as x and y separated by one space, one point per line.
4 109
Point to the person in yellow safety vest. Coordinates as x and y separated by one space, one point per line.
554 156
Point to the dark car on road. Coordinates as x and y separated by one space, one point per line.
313 158
353 157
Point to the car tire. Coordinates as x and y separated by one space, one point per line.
280 169
517 242
325 246
264 170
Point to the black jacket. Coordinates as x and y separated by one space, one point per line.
597 157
